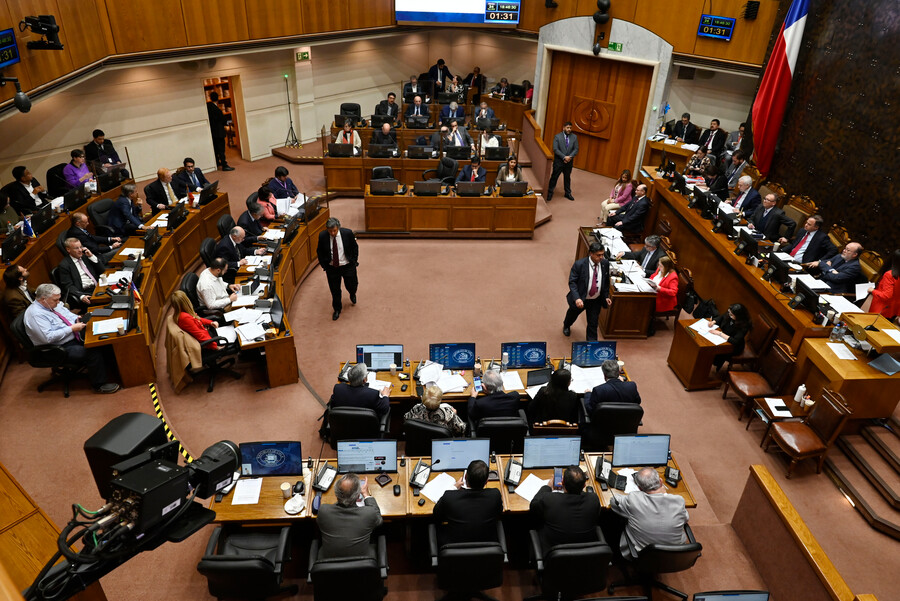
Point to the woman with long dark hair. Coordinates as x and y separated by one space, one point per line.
555 400
734 326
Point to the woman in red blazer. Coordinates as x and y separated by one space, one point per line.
886 295
189 321
665 281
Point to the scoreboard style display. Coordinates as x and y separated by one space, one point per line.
458 12
719 28
9 51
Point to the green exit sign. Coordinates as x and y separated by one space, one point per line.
615 46
303 56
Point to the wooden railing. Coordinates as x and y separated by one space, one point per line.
541 156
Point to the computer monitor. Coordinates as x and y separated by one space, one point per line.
177 216
516 91
525 355
276 313
42 219
378 120
109 179
805 297
272 458
290 229
732 596
152 240
74 198
417 121
778 270
725 222
340 150
460 153
747 244
310 208
593 354
679 184
496 153
464 188
13 245
379 357
485 123
366 456
383 187
381 151
513 188
339 120
551 451
209 193
427 188
640 450
9 50
710 208
453 355
416 151
458 453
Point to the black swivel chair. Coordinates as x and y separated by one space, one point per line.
661 559
464 570
418 435
355 423
357 578
66 297
189 287
570 570
56 182
445 172
352 109
382 172
47 355
224 225
252 198
208 251
99 214
609 419
247 563
61 242
507 434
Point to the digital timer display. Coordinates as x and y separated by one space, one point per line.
469 13
9 52
720 28
501 12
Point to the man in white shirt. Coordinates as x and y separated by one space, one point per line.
588 290
338 254
212 290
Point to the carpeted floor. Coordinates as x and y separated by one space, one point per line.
415 292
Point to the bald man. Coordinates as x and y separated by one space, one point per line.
160 194
842 272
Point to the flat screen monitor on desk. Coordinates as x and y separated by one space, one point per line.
383 187
42 219
805 297
152 240
485 123
381 151
275 458
778 270
276 313
460 153
732 596
379 357
496 153
458 453
177 216
378 120
13 245
453 355
340 150
290 229
469 188
551 451
513 188
417 121
748 244
339 120
427 188
697 199
640 450
525 355
727 222
419 152
208 193
367 456
74 198
109 179
593 354
710 208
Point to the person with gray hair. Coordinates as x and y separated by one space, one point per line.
338 255
432 410
356 394
79 273
47 321
232 249
614 390
650 516
345 527
125 217
747 198
496 402
648 257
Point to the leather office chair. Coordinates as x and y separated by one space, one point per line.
813 436
251 199
67 298
99 214
570 570
208 251
445 172
47 355
761 336
382 172
357 578
61 242
247 562
418 435
189 287
507 434
351 108
609 419
56 182
464 570
353 423
224 225
661 559
774 368
211 362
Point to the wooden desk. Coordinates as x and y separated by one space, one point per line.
765 414
270 508
682 490
508 111
674 152
390 506
414 509
133 356
513 502
880 341
691 356
869 392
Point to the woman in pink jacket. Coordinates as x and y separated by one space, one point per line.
619 197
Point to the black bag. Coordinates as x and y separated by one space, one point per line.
690 301
706 309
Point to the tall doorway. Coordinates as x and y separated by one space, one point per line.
229 91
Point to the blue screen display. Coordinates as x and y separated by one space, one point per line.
593 354
9 51
453 355
271 458
465 12
525 355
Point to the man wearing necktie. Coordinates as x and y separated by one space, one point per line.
459 136
747 198
473 172
768 219
648 256
588 290
338 255
79 272
713 139
811 243
565 147
439 73
47 321
842 272
160 194
189 179
417 109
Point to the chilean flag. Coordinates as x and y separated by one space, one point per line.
771 99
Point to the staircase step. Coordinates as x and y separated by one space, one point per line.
863 495
886 442
873 467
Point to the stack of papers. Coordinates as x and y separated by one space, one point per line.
245 301
374 383
227 332
246 491
623 287
690 146
107 326
811 282
430 372
259 259
450 382
529 487
512 381
840 304
585 378
137 252
161 221
244 315
118 275
273 234
773 403
704 328
249 332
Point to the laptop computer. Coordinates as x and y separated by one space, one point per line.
427 188
513 188
538 377
383 187
340 150
469 188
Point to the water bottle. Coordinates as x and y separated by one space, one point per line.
504 362
835 334
801 392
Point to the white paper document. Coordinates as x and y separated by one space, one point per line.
249 332
773 403
532 391
840 304
245 301
430 372
862 290
608 232
512 381
841 350
786 257
243 315
118 275
623 287
529 487
273 234
811 282
107 326
246 491
701 325
449 382
137 252
435 489
895 334
227 332
714 338
374 383
670 141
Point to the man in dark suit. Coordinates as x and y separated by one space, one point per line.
281 185
338 255
17 295
189 179
125 216
685 131
502 88
357 394
469 515
26 194
79 272
768 219
811 243
389 107
747 198
346 527
385 135
567 518
647 257
159 192
459 136
713 139
496 402
249 220
631 218
440 137
102 246
588 290
484 112
102 152
565 147
736 165
417 108
473 172
614 390
217 122
451 112
477 81
232 249
439 74
413 87
842 272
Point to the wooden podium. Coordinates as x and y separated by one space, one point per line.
691 357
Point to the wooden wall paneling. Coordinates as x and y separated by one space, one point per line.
319 16
750 38
274 18
533 14
88 40
369 13
142 26
215 22
42 65
659 17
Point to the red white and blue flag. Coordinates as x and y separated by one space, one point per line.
771 99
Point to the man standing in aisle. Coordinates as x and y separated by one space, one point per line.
565 147
217 123
338 255
588 290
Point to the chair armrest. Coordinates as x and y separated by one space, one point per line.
426 172
104 230
313 556
689 533
582 410
284 547
536 550
381 555
501 538
385 422
473 427
213 541
449 180
215 340
524 419
433 544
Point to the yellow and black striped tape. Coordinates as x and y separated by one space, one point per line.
157 407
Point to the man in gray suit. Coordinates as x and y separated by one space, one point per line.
345 527
565 147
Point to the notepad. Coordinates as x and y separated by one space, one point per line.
778 408
246 491
841 350
107 326
530 486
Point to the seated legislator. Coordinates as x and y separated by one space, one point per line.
281 185
699 162
212 290
631 219
100 150
160 193
76 172
413 87
26 194
747 199
469 513
733 326
484 112
733 141
357 394
489 140
189 179
811 242
432 410
102 246
8 214
567 518
47 321
501 89
249 220
651 515
496 402
125 216
648 257
266 199
736 166
385 135
768 219
349 136
459 136
665 281
190 322
473 172
17 296
417 108
554 400
886 294
346 527
713 140
477 81
439 139
452 111
455 86
510 171
232 249
439 74
619 196
842 271
389 107
685 131
613 390
79 272
716 182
